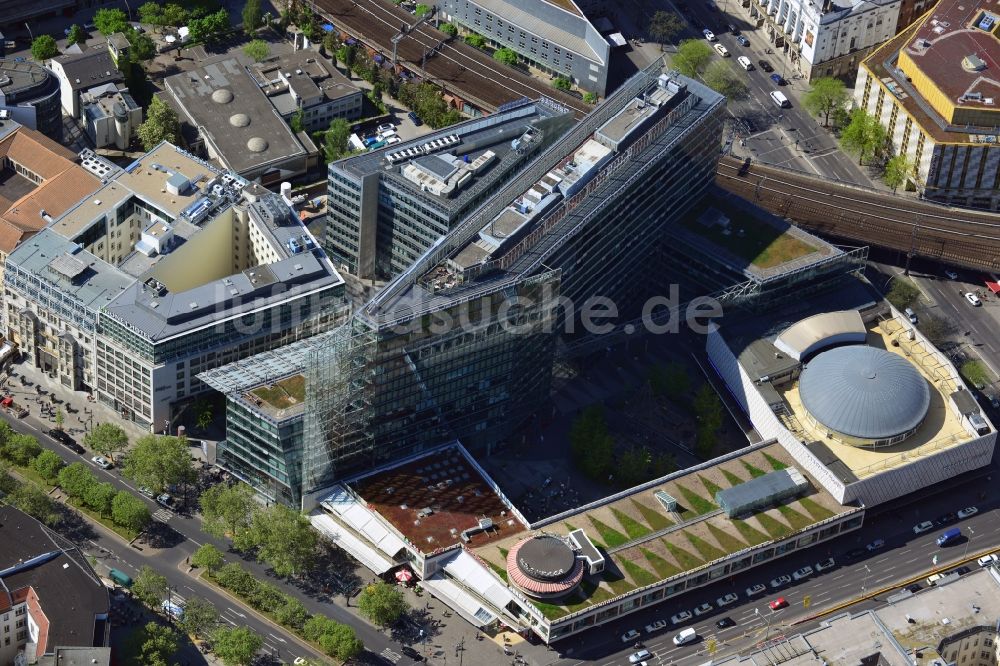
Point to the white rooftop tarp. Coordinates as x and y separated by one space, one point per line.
363 521
468 570
361 551
616 39
461 601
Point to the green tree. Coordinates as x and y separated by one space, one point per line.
341 642
335 141
60 419
295 122
421 10
825 95
692 56
200 617
285 539
129 511
150 587
864 136
663 464
209 27
382 603
562 83
903 293
664 26
20 449
506 56
236 646
99 497
346 55
291 613
158 461
44 47
898 170
475 40
47 464
592 446
449 29
161 124
589 98
316 626
157 643
33 501
77 35
937 329
110 21
75 479
208 557
670 380
633 466
107 439
257 49
266 597
251 16
175 15
235 578
228 510
708 407
151 12
142 44
721 78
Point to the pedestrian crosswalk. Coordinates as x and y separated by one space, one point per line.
391 656
163 515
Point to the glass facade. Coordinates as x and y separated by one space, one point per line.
264 452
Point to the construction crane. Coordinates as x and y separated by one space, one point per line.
405 29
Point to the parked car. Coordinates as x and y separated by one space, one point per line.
63 438
412 654
147 492
754 590
102 462
638 656
913 588
743 41
721 50
765 65
653 627
778 604
392 140
166 501
725 623
988 560
802 573
911 315
961 571
709 35
877 544
933 579
780 580
950 274
972 298
778 81
682 616
703 608
854 554
386 128
414 118
968 512
727 599
925 526
630 636
828 563
733 30
947 518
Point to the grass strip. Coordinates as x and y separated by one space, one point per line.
611 537
633 528
654 518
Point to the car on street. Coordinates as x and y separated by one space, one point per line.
682 616
947 518
411 653
961 571
703 608
386 129
778 81
988 560
950 274
147 492
780 580
167 501
972 298
725 623
925 526
630 636
778 604
754 590
727 599
63 438
765 65
641 655
911 315
913 588
854 554
745 63
414 118
933 579
877 544
686 636
101 462
653 627
743 41
721 50
175 611
828 563
804 572
968 512
709 35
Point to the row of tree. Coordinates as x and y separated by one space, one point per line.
337 640
694 59
125 509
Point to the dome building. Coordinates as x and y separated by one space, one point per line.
864 396
544 566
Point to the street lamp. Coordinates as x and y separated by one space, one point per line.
864 583
767 631
967 542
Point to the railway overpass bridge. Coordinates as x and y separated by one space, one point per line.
957 236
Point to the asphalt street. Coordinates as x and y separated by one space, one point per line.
905 556
170 563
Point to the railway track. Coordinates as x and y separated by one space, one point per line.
460 69
952 235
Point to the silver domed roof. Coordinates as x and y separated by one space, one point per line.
239 120
222 96
864 392
256 145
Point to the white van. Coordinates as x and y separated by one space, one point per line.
779 98
686 636
745 63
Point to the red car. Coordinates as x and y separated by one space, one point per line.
778 604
